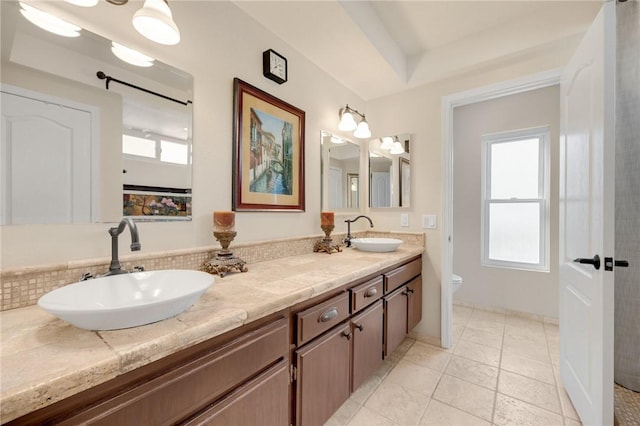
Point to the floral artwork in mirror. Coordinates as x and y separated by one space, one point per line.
340 178
390 172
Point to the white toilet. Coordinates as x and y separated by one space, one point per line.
456 282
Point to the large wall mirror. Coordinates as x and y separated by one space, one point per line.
75 152
341 180
390 171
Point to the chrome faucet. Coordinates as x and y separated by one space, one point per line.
114 267
347 239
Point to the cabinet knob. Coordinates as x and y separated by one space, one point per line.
346 334
328 315
372 291
359 326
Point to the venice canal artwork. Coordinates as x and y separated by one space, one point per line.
271 162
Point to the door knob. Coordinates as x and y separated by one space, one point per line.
595 261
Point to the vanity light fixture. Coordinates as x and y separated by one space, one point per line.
155 22
387 142
48 22
397 147
348 122
131 56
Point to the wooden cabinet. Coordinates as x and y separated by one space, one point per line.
330 367
322 376
179 387
367 344
402 303
395 324
259 402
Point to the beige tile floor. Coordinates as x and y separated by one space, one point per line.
501 370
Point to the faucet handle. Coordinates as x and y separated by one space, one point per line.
139 268
86 276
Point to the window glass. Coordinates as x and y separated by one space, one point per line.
514 232
133 145
173 152
515 169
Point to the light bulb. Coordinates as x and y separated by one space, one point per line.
362 131
131 56
347 122
387 142
155 22
397 148
48 22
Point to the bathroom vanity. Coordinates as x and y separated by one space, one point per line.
285 343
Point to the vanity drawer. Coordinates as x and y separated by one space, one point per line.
366 293
399 276
319 318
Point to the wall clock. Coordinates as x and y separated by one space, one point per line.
274 66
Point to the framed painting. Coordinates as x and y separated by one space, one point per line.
268 151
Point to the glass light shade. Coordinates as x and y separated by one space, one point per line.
347 122
387 142
155 22
83 3
48 22
397 148
131 56
362 131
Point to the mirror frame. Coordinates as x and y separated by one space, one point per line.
324 174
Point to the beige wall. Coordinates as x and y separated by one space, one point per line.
525 291
219 43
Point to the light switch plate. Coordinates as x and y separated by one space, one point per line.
429 221
404 219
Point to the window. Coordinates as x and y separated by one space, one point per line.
157 148
515 199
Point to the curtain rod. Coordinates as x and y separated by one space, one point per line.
109 79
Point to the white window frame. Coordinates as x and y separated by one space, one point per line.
157 138
543 135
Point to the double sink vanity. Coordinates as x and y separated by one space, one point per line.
284 343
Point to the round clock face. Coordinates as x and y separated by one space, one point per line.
278 66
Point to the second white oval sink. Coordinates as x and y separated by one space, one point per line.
376 244
126 300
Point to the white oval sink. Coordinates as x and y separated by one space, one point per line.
126 300
376 244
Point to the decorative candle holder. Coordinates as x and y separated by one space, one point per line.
224 260
326 244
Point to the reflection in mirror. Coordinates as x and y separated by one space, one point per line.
340 173
75 152
390 171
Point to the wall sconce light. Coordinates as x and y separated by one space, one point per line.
131 56
349 123
392 144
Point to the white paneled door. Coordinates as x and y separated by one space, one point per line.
587 149
46 162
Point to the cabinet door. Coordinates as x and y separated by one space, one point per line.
322 382
414 314
367 344
395 326
263 401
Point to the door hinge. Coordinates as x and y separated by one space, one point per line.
293 373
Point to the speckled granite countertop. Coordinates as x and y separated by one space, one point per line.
44 359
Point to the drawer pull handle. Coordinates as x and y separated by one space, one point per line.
408 291
371 291
359 326
346 334
328 315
